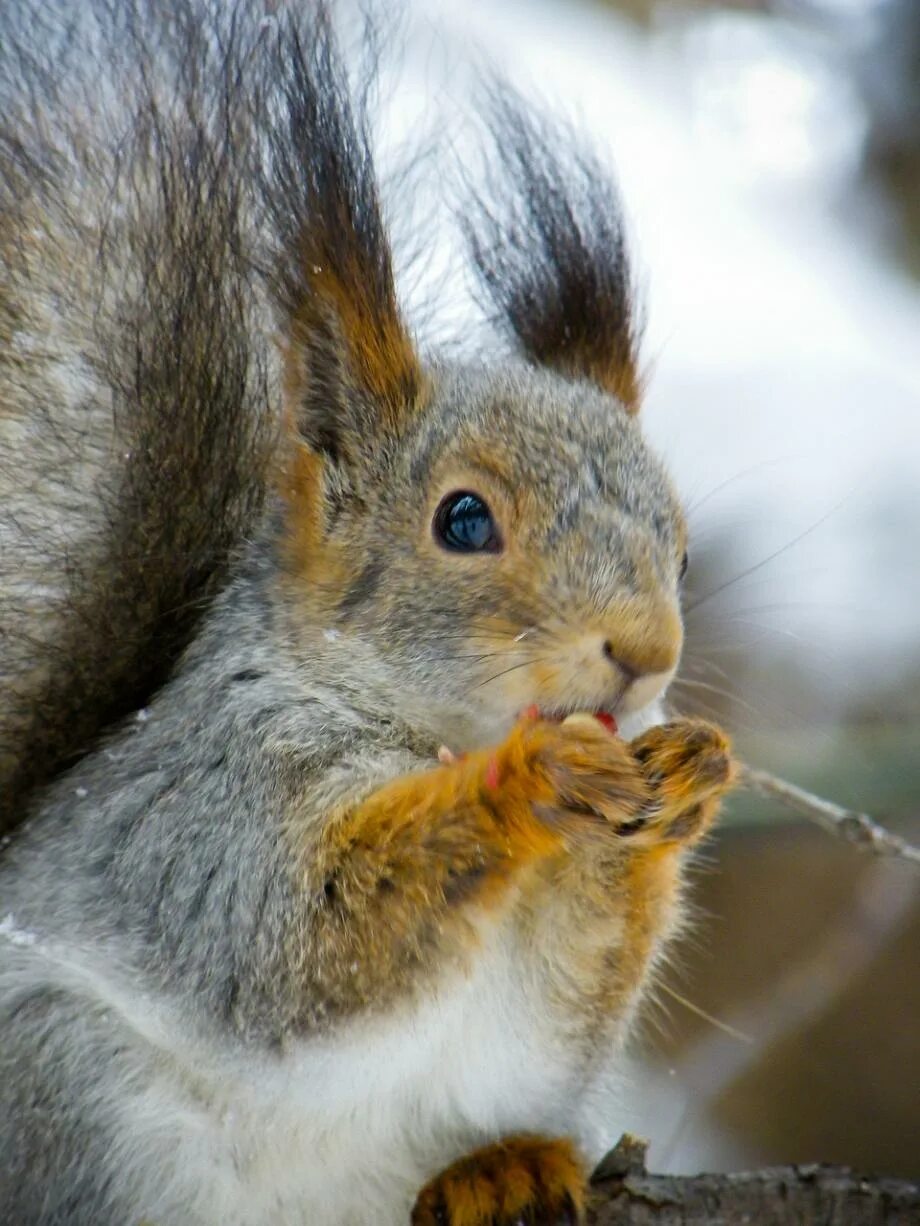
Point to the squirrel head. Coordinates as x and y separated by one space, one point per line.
464 540
517 544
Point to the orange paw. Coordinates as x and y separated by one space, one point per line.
688 767
569 774
521 1181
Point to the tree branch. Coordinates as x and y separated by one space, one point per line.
625 1194
856 828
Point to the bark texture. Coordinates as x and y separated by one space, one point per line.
625 1194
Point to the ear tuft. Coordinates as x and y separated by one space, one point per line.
352 369
547 240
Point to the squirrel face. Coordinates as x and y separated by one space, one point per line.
553 583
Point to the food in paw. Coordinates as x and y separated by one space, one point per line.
583 719
587 719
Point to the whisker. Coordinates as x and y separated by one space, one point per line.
704 685
704 666
822 606
693 507
471 638
731 1031
698 708
487 655
696 604
790 577
766 631
720 692
732 649
504 672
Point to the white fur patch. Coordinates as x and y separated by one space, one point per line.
334 1132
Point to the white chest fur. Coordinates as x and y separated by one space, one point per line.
341 1131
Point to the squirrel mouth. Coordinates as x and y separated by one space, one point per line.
447 756
607 718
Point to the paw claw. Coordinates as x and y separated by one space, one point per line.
625 829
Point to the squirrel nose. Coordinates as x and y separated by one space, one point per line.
641 639
629 670
633 665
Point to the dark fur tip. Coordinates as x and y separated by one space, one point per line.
547 240
333 276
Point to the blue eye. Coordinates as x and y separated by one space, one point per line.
464 523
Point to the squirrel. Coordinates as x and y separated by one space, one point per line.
322 898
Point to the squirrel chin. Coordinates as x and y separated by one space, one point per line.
637 722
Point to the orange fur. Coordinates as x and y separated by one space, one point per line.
395 875
616 372
689 766
600 912
520 1179
301 491
378 349
491 812
372 354
645 634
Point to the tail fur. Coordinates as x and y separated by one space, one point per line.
136 420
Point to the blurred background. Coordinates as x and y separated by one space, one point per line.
769 157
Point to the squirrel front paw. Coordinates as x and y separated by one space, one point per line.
688 767
520 1181
548 780
568 774
461 832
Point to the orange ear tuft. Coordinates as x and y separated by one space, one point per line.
352 372
377 357
616 371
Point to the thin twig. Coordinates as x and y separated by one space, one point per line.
857 828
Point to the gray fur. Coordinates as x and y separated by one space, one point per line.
166 848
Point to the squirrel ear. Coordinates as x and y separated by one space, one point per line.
547 240
351 370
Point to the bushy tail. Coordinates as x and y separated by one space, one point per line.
136 373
